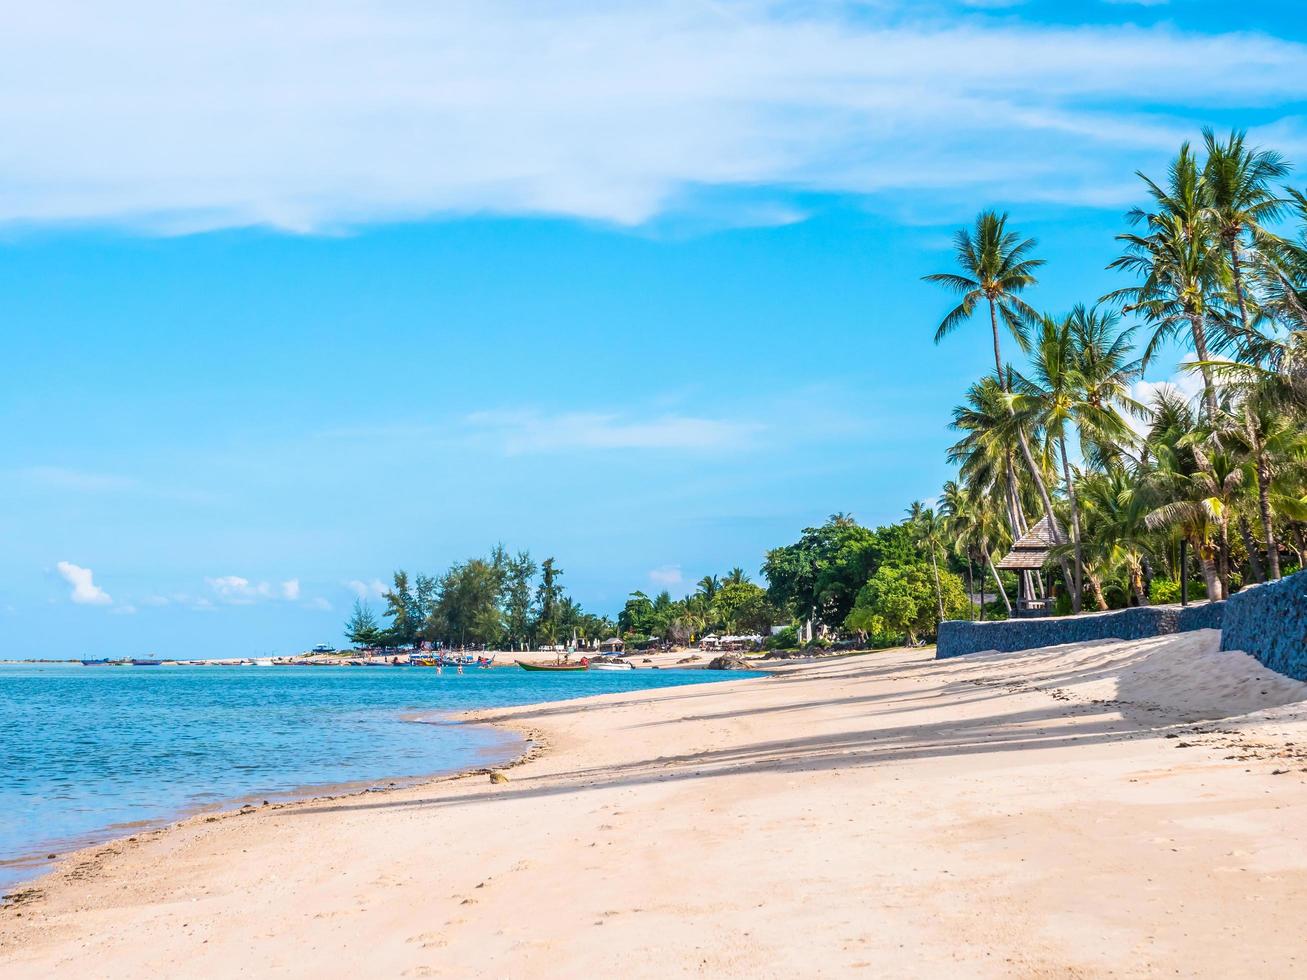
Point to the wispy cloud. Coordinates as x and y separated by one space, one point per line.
666 576
367 590
84 590
610 111
236 590
519 432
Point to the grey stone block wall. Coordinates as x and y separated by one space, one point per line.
958 637
1270 623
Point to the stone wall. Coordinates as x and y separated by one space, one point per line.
958 637
1270 623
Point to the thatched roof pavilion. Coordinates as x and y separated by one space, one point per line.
1033 548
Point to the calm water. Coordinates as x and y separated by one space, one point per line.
86 750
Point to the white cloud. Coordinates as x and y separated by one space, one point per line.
236 590
519 432
315 114
367 590
84 592
124 610
317 602
666 576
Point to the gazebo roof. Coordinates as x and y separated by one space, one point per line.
1032 549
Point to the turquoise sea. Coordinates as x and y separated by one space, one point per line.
90 752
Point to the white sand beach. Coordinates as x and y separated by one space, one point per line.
1102 810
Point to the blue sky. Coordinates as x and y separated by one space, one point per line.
296 294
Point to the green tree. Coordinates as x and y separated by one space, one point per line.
402 610
743 608
818 577
549 596
900 600
361 629
520 572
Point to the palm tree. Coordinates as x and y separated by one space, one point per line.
1115 517
737 576
1192 490
972 528
1081 372
1240 201
996 267
1181 265
708 586
927 529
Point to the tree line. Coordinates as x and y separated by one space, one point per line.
500 601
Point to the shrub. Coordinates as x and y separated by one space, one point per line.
1165 590
786 639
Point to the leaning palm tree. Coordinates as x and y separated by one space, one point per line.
1181 265
1240 200
996 267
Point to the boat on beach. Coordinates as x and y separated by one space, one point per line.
577 666
136 662
614 664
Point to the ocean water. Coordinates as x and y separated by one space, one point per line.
88 753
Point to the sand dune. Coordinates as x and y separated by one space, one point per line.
1110 809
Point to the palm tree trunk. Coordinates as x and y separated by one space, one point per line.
1200 348
1096 588
1237 269
1137 584
1264 502
939 595
1209 574
971 585
998 357
1254 560
1077 594
989 560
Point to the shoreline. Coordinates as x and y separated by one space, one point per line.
117 834
994 815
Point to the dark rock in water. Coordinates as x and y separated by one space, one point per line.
727 661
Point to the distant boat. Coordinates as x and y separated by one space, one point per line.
611 665
263 662
526 666
145 663
96 663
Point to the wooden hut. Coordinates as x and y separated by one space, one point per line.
1027 558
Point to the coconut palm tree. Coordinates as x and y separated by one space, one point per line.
1080 373
1115 516
708 586
928 531
996 267
737 576
1240 199
1181 264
